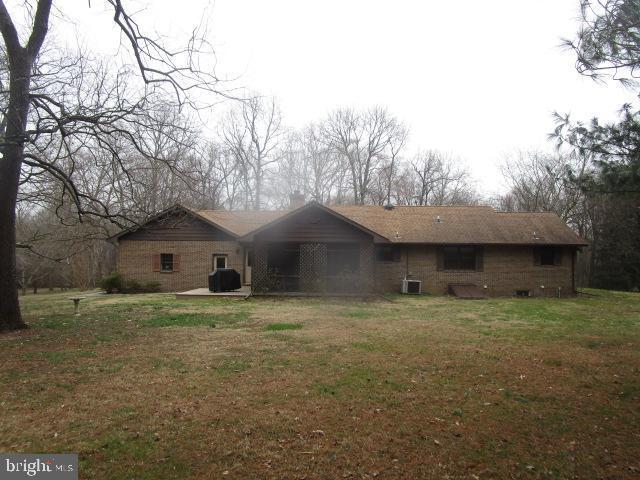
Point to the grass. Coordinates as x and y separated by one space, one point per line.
276 327
424 387
196 319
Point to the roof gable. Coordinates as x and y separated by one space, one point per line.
313 221
177 223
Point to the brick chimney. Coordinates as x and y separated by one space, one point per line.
296 200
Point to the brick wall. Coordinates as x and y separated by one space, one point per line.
506 269
135 261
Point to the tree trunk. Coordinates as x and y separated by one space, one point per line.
10 165
258 194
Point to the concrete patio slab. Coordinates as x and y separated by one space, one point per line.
244 291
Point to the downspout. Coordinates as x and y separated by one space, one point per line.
244 264
573 270
406 270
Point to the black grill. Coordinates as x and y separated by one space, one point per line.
224 280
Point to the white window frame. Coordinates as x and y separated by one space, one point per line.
215 261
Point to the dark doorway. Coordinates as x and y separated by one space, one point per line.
219 261
283 264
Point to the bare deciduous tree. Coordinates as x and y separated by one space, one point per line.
252 132
58 107
540 182
306 164
363 140
439 180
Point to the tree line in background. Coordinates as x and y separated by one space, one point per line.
103 155
595 185
253 162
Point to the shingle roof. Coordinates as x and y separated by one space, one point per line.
419 224
468 224
240 222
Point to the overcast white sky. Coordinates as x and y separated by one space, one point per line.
476 79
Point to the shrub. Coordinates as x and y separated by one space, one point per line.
116 283
112 283
131 286
152 287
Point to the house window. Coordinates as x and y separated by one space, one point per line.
388 253
461 258
548 256
166 262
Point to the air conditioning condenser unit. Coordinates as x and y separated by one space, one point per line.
411 286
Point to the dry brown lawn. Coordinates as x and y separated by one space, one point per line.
148 387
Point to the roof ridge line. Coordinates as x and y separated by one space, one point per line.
415 206
525 211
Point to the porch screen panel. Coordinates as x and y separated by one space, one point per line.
343 259
367 256
313 267
343 267
259 271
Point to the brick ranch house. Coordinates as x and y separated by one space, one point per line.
354 249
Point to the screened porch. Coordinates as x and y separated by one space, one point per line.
331 268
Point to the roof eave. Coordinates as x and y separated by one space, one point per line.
496 244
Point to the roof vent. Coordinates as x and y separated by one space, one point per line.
535 236
438 219
389 206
